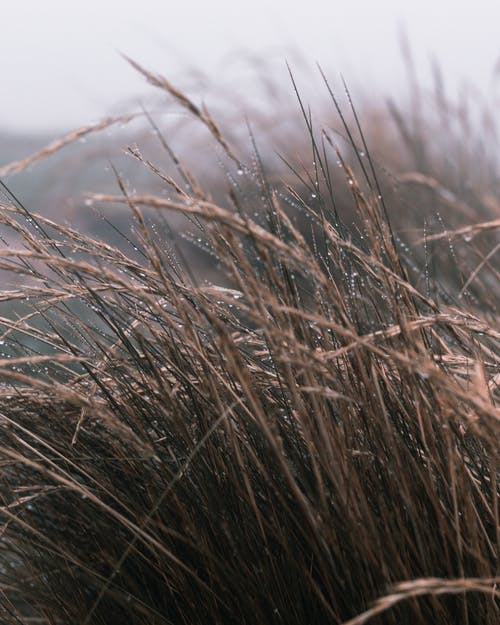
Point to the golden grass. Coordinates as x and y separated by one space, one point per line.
312 437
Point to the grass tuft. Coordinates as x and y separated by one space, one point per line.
310 436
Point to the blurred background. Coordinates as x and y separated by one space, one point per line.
62 67
424 77
60 62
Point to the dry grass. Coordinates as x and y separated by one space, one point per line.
310 438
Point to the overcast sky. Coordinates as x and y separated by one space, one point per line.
60 65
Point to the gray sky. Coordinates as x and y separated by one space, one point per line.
60 66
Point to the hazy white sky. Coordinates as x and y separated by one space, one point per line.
60 65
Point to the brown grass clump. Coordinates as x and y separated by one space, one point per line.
310 437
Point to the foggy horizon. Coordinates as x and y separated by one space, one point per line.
61 65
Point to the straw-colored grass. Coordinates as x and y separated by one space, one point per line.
311 437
